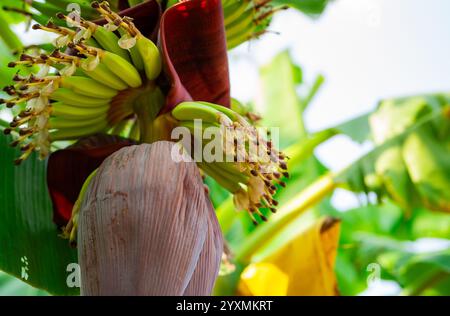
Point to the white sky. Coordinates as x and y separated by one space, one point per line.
367 50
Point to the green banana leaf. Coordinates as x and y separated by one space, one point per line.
30 248
381 234
12 17
11 286
410 165
357 129
279 104
5 57
419 274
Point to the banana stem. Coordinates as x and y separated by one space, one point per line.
307 198
147 107
7 35
304 148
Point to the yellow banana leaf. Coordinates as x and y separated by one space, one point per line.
304 266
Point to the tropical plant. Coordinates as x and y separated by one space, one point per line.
118 80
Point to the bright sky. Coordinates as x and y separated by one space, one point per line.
367 50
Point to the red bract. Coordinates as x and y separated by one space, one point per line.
193 44
68 169
192 41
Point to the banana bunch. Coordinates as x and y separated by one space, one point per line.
244 162
90 88
411 165
246 19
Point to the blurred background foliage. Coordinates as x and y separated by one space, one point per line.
399 235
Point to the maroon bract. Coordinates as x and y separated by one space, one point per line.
193 45
68 169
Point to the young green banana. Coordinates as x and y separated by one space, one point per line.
103 75
76 132
121 68
60 109
109 41
189 111
89 87
228 112
241 24
136 57
231 186
69 97
192 127
150 55
237 39
64 122
233 11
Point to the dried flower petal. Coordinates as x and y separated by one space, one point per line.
127 41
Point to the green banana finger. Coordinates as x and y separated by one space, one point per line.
228 112
150 56
92 42
63 122
136 57
189 111
192 127
233 11
60 109
109 41
103 75
75 133
233 41
122 68
69 97
88 87
222 181
243 23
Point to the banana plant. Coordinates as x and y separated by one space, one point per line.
111 76
132 77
